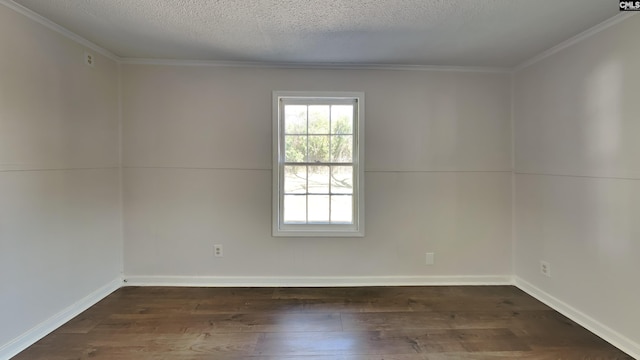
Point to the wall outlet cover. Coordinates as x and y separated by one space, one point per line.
545 268
429 258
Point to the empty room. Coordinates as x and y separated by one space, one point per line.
315 180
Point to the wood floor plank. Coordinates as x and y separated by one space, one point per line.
359 323
335 343
470 341
575 354
449 319
344 357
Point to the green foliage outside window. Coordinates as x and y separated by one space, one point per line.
318 139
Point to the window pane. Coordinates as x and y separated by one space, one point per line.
342 180
295 148
342 148
318 208
295 208
342 119
295 179
295 119
318 148
318 119
318 180
342 209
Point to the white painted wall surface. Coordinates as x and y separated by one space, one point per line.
577 121
197 152
60 237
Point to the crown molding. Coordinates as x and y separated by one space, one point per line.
576 39
59 29
321 66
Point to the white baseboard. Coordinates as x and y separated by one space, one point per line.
613 337
314 281
13 347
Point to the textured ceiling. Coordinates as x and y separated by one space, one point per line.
495 33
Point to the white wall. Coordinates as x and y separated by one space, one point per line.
197 157
577 182
60 237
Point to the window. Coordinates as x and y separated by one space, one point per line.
318 163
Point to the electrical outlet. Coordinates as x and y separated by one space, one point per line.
89 59
429 258
545 268
217 251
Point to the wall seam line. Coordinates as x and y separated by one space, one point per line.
578 176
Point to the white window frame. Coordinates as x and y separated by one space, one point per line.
356 229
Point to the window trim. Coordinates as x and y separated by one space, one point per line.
318 230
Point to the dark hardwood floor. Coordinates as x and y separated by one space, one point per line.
393 323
